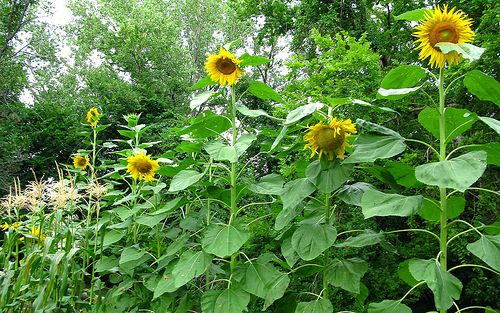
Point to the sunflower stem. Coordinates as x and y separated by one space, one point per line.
326 254
234 170
443 235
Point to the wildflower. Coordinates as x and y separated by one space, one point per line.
442 26
93 116
223 67
81 162
141 166
329 138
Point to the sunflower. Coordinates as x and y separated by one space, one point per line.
93 116
223 67
36 232
442 26
329 138
81 161
141 166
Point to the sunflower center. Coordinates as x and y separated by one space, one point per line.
329 140
82 162
143 166
444 32
225 66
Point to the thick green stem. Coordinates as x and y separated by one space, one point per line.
234 170
442 191
326 254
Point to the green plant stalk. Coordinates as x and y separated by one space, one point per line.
327 251
443 235
234 169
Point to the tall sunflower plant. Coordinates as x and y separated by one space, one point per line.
219 147
443 39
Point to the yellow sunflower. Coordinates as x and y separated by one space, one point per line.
329 139
93 116
81 161
36 232
141 166
443 26
223 67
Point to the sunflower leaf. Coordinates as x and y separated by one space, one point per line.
253 60
184 179
487 248
320 305
413 15
458 173
466 50
199 99
388 306
206 81
376 203
491 122
400 82
302 111
483 86
263 91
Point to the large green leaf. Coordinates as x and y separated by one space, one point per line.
251 113
458 173
352 194
370 147
287 215
431 210
483 86
191 264
310 240
413 15
184 179
346 274
444 285
296 191
132 253
466 50
288 252
112 236
457 121
263 91
376 203
399 82
221 152
403 174
328 176
252 60
265 281
487 248
492 149
151 220
207 124
232 300
199 99
223 240
271 184
388 306
491 122
367 238
206 81
317 306
302 111
166 283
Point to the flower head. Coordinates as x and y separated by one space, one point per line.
93 116
141 166
37 232
442 26
329 139
223 67
81 161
